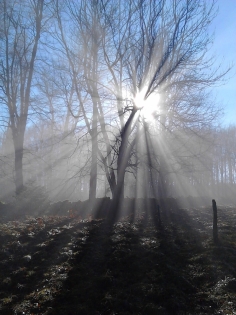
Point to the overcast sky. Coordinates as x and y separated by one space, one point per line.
225 47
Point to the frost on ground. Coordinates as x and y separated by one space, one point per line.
65 265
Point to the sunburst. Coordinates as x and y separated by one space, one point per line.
149 106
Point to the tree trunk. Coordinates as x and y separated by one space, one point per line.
18 142
93 172
121 166
19 169
122 163
18 77
118 192
215 228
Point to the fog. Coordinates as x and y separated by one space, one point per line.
104 101
173 164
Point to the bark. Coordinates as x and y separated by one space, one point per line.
122 164
19 169
18 117
215 228
93 171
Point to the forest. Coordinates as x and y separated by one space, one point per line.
108 110
104 99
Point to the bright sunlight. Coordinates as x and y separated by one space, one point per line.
150 106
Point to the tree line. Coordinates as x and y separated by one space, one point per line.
111 98
62 167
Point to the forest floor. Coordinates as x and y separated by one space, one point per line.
62 265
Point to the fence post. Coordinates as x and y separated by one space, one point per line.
215 228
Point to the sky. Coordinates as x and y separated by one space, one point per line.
224 47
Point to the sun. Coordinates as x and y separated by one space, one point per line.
149 107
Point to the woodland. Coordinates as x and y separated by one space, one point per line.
112 149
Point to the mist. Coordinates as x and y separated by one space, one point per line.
193 165
117 179
95 109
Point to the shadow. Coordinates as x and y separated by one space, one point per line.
136 265
29 252
133 267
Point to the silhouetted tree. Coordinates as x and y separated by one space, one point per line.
154 50
20 34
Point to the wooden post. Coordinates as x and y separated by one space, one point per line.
215 229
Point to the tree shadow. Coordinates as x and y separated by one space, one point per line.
133 267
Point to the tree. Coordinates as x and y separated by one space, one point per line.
20 34
160 51
131 55
83 65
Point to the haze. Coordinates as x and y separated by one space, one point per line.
112 99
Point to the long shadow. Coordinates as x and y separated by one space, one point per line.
26 259
131 266
137 268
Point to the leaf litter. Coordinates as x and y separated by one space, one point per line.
63 265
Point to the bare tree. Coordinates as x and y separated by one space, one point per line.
20 34
82 60
126 56
130 54
158 54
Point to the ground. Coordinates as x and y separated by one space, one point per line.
64 265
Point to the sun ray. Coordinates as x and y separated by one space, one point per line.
149 106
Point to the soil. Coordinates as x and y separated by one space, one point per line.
64 265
